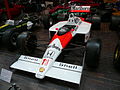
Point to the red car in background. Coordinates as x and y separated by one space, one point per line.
10 10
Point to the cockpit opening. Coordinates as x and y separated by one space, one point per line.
66 28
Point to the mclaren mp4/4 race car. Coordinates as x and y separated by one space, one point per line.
62 33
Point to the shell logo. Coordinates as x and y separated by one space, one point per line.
41 69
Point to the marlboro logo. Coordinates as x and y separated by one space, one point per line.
80 9
54 46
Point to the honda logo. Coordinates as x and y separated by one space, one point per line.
50 53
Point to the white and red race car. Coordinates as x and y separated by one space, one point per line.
62 34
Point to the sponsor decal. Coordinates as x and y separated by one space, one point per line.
54 46
80 8
45 62
41 69
29 58
49 54
47 57
68 66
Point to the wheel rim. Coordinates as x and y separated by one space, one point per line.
117 54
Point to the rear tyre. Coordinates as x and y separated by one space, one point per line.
96 22
116 58
93 49
26 43
105 15
115 21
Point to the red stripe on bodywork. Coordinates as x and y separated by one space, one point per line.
64 39
82 18
79 11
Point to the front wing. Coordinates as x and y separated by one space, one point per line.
63 71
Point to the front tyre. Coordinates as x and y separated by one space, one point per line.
26 42
93 49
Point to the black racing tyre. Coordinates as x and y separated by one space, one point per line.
9 39
116 58
105 15
26 43
114 23
93 9
93 49
46 21
96 22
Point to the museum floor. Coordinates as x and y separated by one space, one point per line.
105 77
